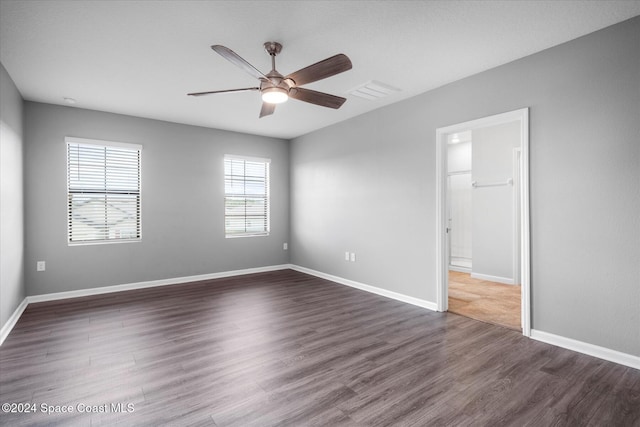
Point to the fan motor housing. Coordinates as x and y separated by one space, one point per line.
273 48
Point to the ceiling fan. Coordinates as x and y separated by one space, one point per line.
276 88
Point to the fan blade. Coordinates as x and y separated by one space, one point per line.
234 58
223 91
318 98
267 109
321 70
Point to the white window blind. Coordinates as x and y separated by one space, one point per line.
103 181
246 196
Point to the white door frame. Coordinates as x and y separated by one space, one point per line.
517 166
442 273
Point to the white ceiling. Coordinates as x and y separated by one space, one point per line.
142 57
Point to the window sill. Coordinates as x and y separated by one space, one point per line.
237 236
103 242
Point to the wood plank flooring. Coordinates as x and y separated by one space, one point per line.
287 349
483 300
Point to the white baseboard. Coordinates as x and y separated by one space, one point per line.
568 343
151 284
368 288
586 348
459 269
497 279
12 320
8 326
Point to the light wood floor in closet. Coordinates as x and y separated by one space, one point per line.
483 300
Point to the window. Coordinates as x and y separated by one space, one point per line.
246 196
103 191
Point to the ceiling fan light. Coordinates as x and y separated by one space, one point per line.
275 95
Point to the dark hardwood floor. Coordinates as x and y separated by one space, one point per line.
285 348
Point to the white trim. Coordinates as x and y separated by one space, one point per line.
103 242
586 348
442 251
8 326
497 279
568 343
151 284
178 280
442 267
267 194
515 246
86 141
559 341
368 288
525 230
12 320
247 158
239 236
459 269
497 119
69 140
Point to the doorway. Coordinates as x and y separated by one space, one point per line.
483 221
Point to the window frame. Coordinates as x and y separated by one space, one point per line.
267 196
69 140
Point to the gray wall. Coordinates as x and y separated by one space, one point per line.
368 185
12 290
182 202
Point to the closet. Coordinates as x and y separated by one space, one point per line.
482 171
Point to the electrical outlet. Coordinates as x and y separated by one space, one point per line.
346 256
285 246
40 266
353 257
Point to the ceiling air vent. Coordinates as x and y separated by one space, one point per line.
373 90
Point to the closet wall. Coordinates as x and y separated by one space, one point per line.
481 203
493 200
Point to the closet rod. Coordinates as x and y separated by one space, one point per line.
475 184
